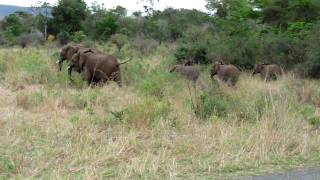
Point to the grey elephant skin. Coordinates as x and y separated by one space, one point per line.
67 53
190 72
227 73
268 71
96 67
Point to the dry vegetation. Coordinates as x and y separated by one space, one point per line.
153 128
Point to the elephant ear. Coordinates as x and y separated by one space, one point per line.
216 67
260 67
75 59
64 51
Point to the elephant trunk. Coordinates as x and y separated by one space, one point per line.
60 64
70 71
253 73
60 61
212 73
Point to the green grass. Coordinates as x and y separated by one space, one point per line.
155 127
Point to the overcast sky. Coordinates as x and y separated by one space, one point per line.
129 4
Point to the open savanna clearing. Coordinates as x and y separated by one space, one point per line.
155 127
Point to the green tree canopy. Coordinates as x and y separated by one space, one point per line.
68 15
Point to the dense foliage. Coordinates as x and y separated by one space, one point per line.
242 32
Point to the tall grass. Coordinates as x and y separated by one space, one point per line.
155 127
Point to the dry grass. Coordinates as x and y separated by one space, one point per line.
51 128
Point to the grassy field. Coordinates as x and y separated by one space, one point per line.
155 127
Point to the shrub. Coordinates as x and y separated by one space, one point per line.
309 113
7 166
311 66
194 46
132 72
196 54
211 102
106 26
148 113
33 38
119 40
78 36
143 45
64 37
37 69
315 120
28 101
154 83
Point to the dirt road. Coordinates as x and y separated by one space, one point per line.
307 174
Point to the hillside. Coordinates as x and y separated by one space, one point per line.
6 10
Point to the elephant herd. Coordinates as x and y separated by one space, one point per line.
229 73
98 67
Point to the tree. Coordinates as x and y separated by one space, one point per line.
119 11
137 14
107 26
42 11
232 9
13 25
283 12
68 15
119 40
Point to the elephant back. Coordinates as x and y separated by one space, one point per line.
229 70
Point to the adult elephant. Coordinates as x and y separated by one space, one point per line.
97 67
226 73
67 52
268 71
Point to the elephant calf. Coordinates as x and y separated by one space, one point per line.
268 71
226 73
190 72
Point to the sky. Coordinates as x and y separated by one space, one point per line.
132 5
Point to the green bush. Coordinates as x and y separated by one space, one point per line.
78 37
132 72
64 37
119 40
37 69
315 120
149 113
310 67
154 83
194 46
308 112
211 102
7 166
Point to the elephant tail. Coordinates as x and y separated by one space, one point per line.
125 62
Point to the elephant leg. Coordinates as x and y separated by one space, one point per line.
229 82
117 78
60 65
265 76
70 71
233 81
100 76
226 80
87 76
